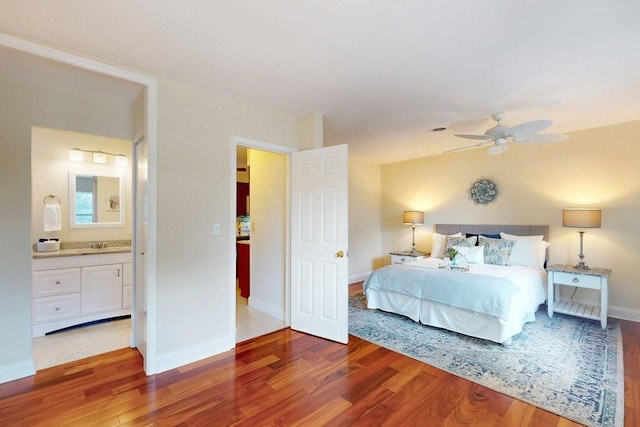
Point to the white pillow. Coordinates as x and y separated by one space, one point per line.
438 243
526 250
471 254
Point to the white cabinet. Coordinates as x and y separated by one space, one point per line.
71 290
101 288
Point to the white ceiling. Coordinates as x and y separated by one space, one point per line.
381 72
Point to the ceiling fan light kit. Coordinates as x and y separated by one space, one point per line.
500 136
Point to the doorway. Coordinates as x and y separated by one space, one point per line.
261 183
86 218
36 62
268 177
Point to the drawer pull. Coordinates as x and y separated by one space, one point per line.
57 282
576 280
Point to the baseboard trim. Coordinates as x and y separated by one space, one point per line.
359 277
267 308
17 371
624 313
175 360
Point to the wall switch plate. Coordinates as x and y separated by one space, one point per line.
216 229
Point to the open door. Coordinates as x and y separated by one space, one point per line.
140 247
319 242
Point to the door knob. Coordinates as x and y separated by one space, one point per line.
339 254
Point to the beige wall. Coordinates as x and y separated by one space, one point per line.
195 292
268 233
593 168
364 219
50 174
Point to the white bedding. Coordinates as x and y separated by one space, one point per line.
530 283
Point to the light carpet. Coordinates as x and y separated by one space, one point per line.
565 365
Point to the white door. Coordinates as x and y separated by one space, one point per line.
319 242
141 228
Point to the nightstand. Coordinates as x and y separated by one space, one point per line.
567 275
406 256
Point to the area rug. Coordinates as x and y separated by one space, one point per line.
565 365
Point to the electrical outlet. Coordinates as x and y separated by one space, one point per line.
216 229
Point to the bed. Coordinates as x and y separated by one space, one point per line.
487 301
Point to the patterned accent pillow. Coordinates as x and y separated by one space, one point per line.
452 241
496 251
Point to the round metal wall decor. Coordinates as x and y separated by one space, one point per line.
483 191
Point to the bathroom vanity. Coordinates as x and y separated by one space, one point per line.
76 286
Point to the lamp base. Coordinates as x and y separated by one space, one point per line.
581 266
413 251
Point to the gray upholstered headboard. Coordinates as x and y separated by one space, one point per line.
520 230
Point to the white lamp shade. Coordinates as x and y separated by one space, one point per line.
413 218
581 217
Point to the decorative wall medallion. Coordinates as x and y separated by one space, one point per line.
483 191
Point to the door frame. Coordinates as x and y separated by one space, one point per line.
273 148
151 119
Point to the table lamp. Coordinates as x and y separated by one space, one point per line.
581 218
413 218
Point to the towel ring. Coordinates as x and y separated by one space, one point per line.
51 196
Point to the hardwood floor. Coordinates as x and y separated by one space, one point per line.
282 379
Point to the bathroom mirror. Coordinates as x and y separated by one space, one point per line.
96 200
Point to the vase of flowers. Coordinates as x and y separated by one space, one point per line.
453 253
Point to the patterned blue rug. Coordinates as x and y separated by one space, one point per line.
565 365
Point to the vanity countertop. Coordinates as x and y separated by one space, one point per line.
82 251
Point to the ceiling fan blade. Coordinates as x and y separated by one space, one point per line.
540 138
527 128
467 147
497 149
483 137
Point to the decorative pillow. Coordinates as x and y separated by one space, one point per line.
525 251
459 241
471 255
496 251
439 241
491 236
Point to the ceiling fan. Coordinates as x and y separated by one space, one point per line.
500 136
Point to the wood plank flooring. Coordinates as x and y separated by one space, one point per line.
282 379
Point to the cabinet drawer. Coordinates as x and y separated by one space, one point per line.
59 307
580 280
56 282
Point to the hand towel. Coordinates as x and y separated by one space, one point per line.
52 218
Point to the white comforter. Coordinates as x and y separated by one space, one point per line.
517 291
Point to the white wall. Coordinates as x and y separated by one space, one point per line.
25 103
597 167
50 174
365 213
268 233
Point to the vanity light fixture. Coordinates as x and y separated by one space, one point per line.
97 156
121 160
100 158
76 155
